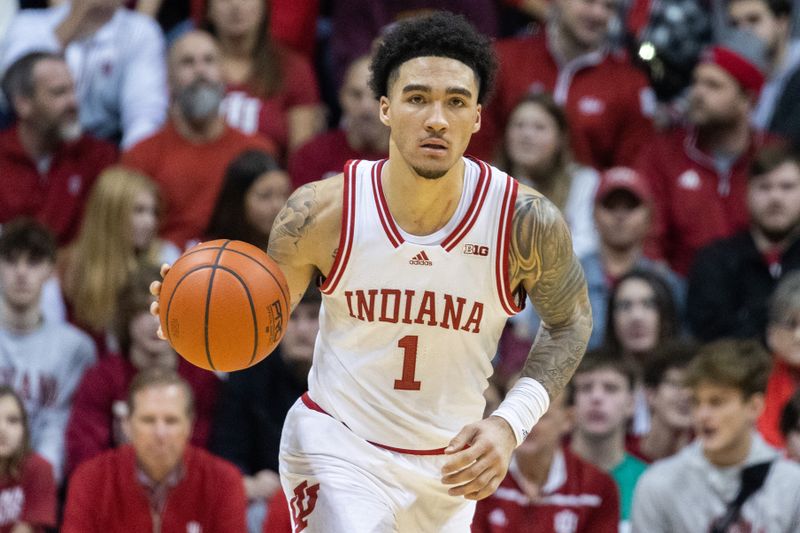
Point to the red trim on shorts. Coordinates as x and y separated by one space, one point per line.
387 221
314 406
347 230
469 218
503 248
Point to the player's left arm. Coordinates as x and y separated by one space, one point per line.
543 264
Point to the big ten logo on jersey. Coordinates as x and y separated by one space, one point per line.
194 527
565 522
302 504
475 249
275 322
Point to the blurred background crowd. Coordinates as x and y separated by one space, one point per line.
666 131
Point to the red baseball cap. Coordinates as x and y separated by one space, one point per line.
623 179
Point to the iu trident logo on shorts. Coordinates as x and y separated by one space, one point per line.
302 505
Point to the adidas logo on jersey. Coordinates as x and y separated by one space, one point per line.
420 259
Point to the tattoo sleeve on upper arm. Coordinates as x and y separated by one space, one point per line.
290 227
542 261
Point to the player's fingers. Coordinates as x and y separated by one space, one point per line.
461 440
154 308
155 288
487 490
460 460
160 334
164 269
478 480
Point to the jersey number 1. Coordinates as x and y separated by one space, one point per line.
407 381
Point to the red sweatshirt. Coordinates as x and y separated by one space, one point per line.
105 496
607 100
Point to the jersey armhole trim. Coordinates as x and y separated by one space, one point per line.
385 216
504 248
478 197
347 230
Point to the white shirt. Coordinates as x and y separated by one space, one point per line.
120 70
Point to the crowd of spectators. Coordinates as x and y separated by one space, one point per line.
132 129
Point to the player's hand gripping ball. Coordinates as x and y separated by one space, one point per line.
224 305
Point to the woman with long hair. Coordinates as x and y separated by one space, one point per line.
271 89
536 152
642 316
24 474
119 230
255 189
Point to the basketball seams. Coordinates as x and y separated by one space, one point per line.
214 268
252 307
235 251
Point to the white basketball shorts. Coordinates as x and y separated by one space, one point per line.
336 482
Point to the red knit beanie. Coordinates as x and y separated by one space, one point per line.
745 72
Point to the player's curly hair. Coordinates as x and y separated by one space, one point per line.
442 34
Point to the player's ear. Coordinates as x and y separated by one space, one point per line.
477 125
384 110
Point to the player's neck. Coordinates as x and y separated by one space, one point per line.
19 320
419 205
604 452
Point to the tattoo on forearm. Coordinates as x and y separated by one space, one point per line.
543 262
292 223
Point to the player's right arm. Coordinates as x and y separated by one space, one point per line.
305 234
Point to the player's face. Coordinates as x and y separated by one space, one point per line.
21 280
783 338
53 108
236 18
265 198
715 98
636 318
774 200
723 420
670 400
533 139
159 427
12 430
147 349
754 16
297 345
585 22
432 110
622 220
603 402
144 219
360 110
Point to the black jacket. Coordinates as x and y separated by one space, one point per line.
730 286
251 408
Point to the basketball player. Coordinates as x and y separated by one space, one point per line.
423 257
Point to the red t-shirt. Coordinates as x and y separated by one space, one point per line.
190 175
325 156
607 100
251 113
57 196
586 501
31 498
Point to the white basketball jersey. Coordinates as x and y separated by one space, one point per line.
409 324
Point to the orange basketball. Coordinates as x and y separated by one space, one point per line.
224 305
